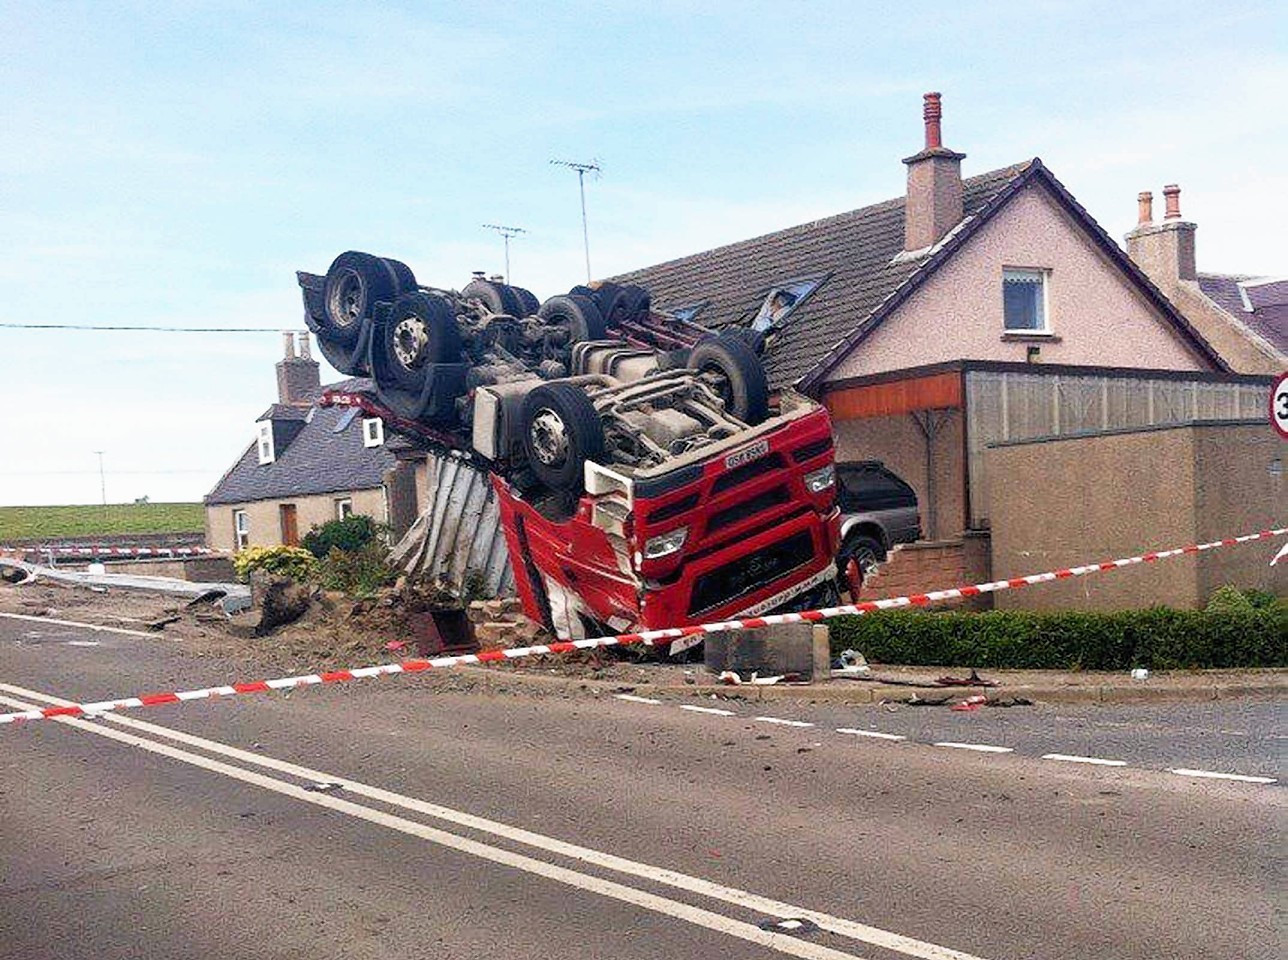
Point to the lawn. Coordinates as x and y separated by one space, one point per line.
91 520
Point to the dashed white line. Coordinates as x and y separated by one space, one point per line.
711 710
1095 761
1213 775
630 698
981 747
783 723
874 734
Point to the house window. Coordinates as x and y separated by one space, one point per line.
241 529
781 300
344 508
373 432
266 442
1024 304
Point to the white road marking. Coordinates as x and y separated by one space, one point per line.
711 710
77 623
633 699
874 734
1097 761
82 643
1212 775
660 875
781 722
981 747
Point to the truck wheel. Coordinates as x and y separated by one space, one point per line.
636 302
528 302
863 549
577 313
561 431
611 300
355 283
404 279
497 297
731 367
419 330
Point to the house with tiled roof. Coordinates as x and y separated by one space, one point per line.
1245 317
308 464
967 313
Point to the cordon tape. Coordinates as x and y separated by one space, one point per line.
92 551
625 639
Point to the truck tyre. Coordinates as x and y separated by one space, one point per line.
582 290
404 279
576 313
419 330
752 338
497 297
636 303
736 374
355 283
611 300
528 302
561 431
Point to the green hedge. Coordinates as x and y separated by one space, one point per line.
1161 639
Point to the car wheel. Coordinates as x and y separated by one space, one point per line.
735 373
577 314
864 550
418 332
561 431
497 297
355 283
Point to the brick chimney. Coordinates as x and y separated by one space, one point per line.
934 204
298 377
1165 251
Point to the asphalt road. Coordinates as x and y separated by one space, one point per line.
473 823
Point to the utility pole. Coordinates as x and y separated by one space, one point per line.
506 233
582 169
102 481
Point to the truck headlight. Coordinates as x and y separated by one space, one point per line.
665 543
820 480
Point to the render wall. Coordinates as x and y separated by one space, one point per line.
1097 317
1073 500
265 519
898 442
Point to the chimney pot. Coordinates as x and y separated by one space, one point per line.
1172 193
1146 201
306 348
932 111
288 344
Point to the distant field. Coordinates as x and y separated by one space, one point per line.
24 523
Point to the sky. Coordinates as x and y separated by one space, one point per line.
172 164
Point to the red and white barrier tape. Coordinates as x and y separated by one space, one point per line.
106 551
647 637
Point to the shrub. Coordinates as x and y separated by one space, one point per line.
1159 638
349 535
1229 599
360 572
290 562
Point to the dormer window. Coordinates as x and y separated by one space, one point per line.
373 432
265 443
781 300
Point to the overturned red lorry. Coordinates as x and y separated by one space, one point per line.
645 476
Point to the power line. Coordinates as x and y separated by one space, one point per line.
90 326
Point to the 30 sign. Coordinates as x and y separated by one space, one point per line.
1279 405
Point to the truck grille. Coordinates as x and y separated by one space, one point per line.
773 497
745 574
740 475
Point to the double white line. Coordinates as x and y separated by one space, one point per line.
155 743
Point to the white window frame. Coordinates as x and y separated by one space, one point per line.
264 443
373 432
343 507
1043 276
241 529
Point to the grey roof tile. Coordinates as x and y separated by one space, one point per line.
1268 299
319 460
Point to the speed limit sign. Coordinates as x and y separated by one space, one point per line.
1279 405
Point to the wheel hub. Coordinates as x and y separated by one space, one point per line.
549 438
349 298
410 338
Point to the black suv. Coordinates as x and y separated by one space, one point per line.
878 510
